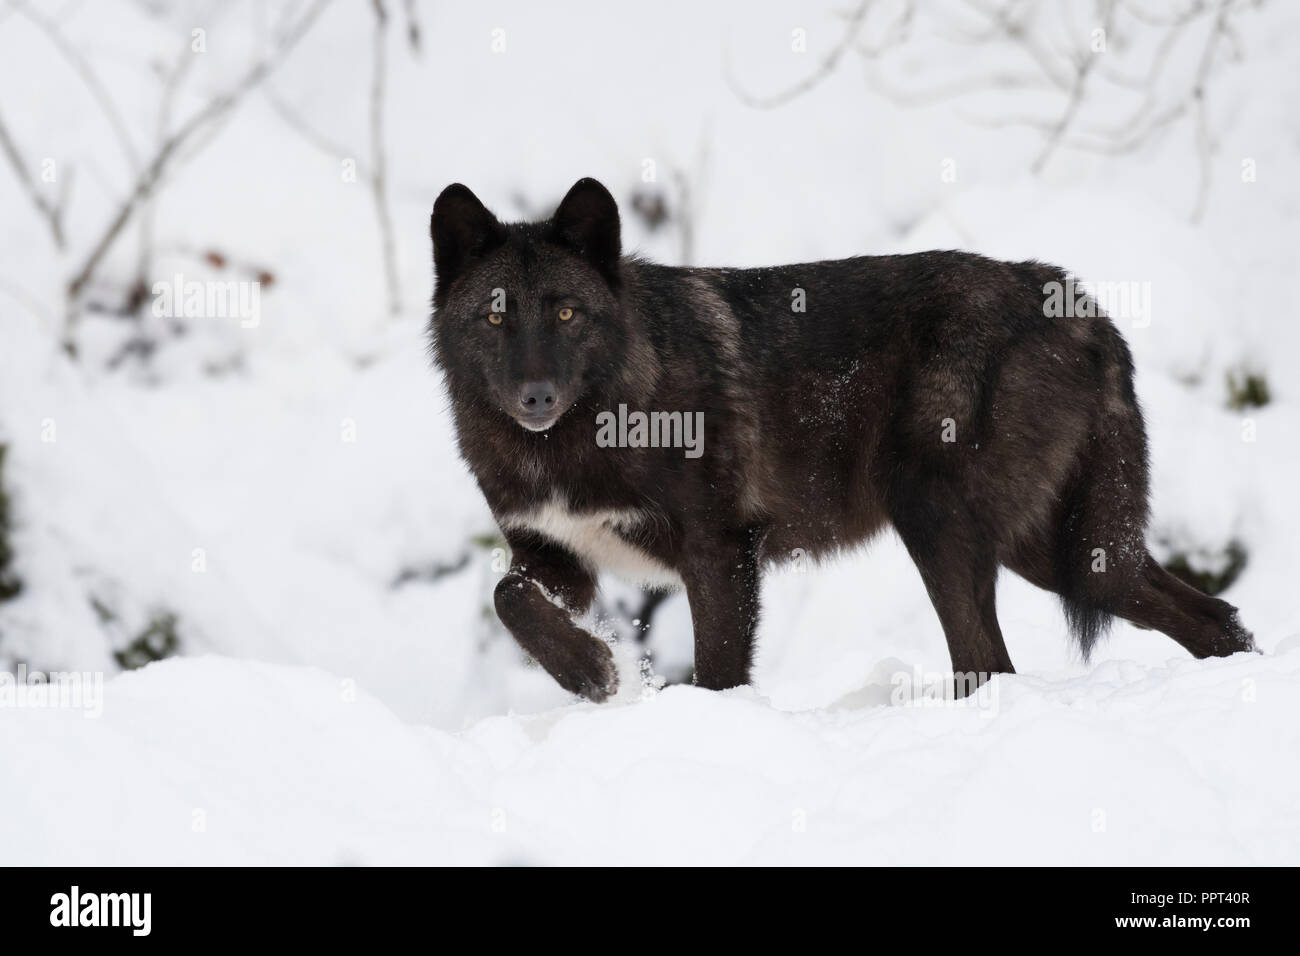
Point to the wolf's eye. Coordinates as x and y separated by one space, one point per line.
565 314
496 318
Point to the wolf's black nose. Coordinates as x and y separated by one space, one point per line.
537 397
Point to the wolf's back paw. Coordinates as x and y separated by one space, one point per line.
1234 638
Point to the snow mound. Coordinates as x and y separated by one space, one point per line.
216 761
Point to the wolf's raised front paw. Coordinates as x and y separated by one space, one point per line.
580 662
585 666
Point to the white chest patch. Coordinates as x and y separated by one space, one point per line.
594 536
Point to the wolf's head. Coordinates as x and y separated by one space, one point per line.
527 316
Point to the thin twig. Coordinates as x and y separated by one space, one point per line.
1013 29
1205 144
88 77
414 36
310 134
153 172
955 89
172 81
824 69
379 176
51 212
1084 66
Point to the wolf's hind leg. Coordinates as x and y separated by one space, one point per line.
1206 626
1147 596
958 564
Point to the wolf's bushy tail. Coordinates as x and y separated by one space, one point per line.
1100 552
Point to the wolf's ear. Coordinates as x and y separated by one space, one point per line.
587 222
461 228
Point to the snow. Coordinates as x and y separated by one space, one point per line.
323 712
218 761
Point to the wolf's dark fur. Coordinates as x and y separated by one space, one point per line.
821 428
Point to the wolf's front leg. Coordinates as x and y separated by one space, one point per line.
721 573
537 599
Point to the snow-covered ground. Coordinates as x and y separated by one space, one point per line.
270 486
219 761
232 762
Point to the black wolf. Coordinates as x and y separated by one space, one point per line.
930 392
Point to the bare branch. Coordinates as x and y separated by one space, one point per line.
1116 145
51 212
1194 9
31 302
966 86
413 34
690 184
215 110
379 177
1060 63
310 134
894 33
91 80
1013 29
1016 119
1175 30
1205 143
1083 70
824 69
173 78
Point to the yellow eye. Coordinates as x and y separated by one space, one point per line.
565 314
496 318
